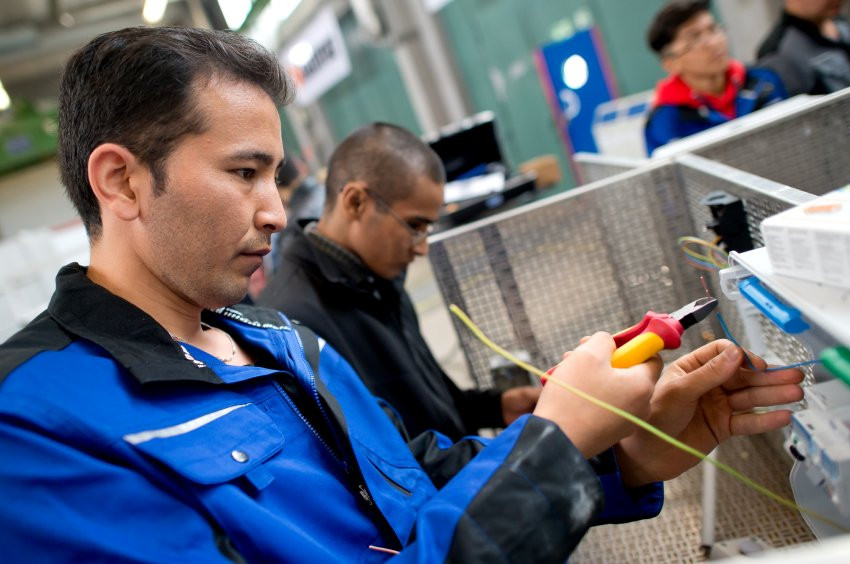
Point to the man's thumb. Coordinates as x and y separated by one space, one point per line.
716 371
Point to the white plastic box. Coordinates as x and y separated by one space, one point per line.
812 241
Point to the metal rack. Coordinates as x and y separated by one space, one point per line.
538 278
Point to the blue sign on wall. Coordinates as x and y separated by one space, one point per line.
574 73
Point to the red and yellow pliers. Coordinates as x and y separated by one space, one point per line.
658 331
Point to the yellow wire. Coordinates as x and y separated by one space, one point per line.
641 423
720 259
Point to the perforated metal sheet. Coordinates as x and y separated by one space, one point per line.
593 167
541 278
807 150
762 198
674 536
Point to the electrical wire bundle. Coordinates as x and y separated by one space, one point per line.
711 258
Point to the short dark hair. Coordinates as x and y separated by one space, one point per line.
134 87
389 158
665 25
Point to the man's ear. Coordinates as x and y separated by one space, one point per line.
116 175
352 199
669 65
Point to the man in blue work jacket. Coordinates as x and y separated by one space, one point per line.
143 418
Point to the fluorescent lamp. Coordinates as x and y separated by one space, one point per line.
154 10
5 101
284 8
300 54
235 12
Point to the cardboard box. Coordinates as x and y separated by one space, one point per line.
812 241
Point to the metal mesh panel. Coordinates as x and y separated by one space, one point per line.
674 536
593 167
806 150
762 198
541 278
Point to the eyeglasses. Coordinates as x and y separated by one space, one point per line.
417 234
697 39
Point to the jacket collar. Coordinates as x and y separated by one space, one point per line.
809 29
132 337
672 91
306 247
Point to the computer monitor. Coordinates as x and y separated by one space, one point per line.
469 148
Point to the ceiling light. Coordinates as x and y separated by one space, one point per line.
154 10
5 101
284 8
235 12
300 54
575 72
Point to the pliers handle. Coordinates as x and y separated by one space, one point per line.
654 333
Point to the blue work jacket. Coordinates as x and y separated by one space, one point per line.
679 112
120 444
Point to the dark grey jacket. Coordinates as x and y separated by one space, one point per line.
373 325
806 61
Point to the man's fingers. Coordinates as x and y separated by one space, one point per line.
650 369
747 378
755 423
750 398
708 367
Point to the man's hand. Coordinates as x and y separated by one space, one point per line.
519 401
702 399
588 368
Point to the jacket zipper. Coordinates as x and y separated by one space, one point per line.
362 490
354 478
309 425
315 393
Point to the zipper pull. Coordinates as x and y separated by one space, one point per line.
365 494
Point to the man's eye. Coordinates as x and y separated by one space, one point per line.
420 226
246 173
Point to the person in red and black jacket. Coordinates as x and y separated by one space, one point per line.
705 87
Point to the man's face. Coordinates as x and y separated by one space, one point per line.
815 10
208 232
386 241
699 48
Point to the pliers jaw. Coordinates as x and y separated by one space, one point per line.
694 312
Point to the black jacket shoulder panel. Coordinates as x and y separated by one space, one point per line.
41 334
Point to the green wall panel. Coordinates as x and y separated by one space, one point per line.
373 91
494 42
623 24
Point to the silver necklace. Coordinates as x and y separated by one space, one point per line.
225 333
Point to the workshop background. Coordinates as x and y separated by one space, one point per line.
437 67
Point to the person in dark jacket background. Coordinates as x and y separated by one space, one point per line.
343 277
705 87
809 48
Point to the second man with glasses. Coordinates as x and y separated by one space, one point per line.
343 276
